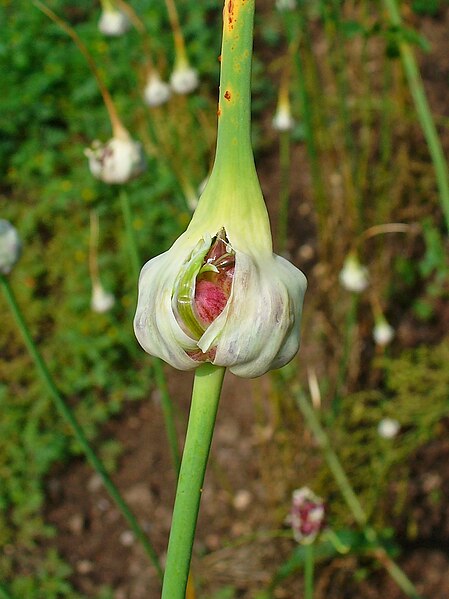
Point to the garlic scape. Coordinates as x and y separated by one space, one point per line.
220 294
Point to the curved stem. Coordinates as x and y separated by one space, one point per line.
205 398
180 48
116 123
423 111
70 418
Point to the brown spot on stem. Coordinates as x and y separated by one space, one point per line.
219 58
227 95
219 111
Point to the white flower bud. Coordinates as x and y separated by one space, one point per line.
184 79
388 428
283 120
10 246
212 297
285 5
156 91
113 23
117 161
383 333
101 301
354 276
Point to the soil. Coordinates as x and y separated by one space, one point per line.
252 468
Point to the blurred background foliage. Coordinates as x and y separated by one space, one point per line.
367 164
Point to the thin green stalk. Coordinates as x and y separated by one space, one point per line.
309 566
205 398
161 383
422 110
284 193
350 497
70 418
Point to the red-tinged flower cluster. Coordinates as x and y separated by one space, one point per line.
307 516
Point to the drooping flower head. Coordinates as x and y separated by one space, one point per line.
307 515
113 22
10 246
118 160
354 276
383 332
156 91
101 300
184 78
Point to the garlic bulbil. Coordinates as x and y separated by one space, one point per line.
113 22
10 246
117 161
354 276
156 91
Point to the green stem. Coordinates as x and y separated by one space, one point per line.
350 324
161 383
205 398
284 193
423 110
70 418
350 497
309 566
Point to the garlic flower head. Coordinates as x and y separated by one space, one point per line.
10 247
184 79
383 332
117 161
101 300
285 5
354 276
219 294
113 22
156 91
307 515
283 120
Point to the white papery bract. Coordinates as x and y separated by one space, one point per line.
113 23
117 161
353 276
10 246
101 300
156 91
184 79
258 329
